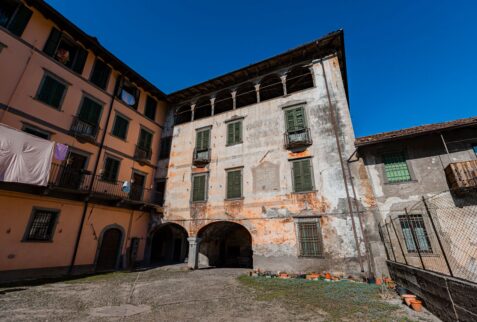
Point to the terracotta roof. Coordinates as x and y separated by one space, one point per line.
414 131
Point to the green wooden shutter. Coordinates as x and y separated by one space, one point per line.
90 111
295 119
198 188
302 176
20 20
80 60
52 42
234 184
238 132
51 91
395 167
297 176
230 133
202 140
57 93
307 175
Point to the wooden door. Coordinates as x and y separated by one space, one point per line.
109 250
72 174
137 186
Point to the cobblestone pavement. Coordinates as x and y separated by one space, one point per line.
156 295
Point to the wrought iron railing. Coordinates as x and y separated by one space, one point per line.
201 157
67 177
80 128
297 138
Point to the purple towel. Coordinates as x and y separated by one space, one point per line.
61 150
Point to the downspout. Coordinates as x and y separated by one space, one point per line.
93 177
345 180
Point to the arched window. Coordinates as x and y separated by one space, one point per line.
271 87
246 95
299 78
223 102
183 114
202 108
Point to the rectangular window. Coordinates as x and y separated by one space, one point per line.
234 133
202 140
42 224
51 91
150 109
14 16
66 51
165 147
310 237
234 184
111 169
100 74
199 187
90 111
415 225
128 93
160 192
395 167
120 127
36 131
145 139
295 119
302 175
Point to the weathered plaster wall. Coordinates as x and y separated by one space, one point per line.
269 206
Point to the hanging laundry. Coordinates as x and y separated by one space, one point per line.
128 98
24 158
126 187
61 151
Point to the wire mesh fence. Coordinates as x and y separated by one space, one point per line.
438 233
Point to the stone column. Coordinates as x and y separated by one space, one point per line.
212 105
192 108
312 71
284 83
234 98
257 90
194 243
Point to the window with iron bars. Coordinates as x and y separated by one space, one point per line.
414 225
42 225
310 239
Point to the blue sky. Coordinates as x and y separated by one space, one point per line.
409 62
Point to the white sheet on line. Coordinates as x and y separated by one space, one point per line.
24 158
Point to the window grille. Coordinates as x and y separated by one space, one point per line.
395 167
310 238
414 224
42 224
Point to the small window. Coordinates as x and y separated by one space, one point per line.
36 131
302 175
150 109
165 147
202 140
295 119
100 74
66 51
310 239
120 128
14 16
199 187
42 224
395 167
129 94
51 91
111 169
415 225
234 133
234 184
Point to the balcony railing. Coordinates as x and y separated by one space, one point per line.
142 154
298 138
84 130
462 175
201 157
67 177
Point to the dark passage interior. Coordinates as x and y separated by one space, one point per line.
225 244
169 245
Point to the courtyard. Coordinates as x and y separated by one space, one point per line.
176 294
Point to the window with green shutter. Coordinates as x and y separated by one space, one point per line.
202 140
295 119
395 167
234 133
150 109
145 139
90 111
120 128
302 175
310 237
111 169
234 183
199 188
51 91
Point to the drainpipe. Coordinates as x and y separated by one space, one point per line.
345 180
93 177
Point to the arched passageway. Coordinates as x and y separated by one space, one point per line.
225 244
169 245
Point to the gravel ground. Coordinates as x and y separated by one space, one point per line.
166 294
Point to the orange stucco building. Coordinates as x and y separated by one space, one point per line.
62 85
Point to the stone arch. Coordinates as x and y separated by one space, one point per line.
246 95
183 114
225 244
223 102
299 78
169 244
108 256
203 108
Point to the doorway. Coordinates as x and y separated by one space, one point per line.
137 186
109 250
73 171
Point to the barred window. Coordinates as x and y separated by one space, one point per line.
395 167
41 225
309 237
415 225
